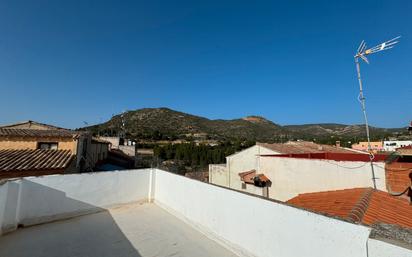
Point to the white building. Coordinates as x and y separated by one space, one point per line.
228 174
391 146
293 176
285 177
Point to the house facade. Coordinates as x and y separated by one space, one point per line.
303 167
37 139
227 175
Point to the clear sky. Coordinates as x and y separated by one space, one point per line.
65 62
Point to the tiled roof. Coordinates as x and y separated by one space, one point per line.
31 123
22 160
362 205
249 176
296 147
8 132
356 157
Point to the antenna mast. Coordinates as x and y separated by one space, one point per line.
362 53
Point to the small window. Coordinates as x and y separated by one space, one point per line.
243 185
47 146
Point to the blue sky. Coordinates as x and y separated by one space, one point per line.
65 62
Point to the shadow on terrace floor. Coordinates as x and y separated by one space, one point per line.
91 235
133 230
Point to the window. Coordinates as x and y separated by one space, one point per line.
47 145
243 185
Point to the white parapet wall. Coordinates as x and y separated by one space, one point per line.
380 248
35 200
249 225
253 226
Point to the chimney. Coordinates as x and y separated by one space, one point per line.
337 143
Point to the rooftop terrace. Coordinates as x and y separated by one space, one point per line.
135 230
151 212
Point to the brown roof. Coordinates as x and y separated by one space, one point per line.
30 123
296 147
249 176
22 160
362 205
9 132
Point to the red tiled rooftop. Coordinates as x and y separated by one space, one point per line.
359 157
362 205
299 147
248 177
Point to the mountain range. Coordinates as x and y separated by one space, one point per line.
167 124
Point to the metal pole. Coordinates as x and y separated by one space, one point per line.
361 99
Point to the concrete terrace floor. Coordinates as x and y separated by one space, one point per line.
136 230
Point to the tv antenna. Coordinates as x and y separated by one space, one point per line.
362 53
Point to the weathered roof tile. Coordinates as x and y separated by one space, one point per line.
8 132
364 205
27 159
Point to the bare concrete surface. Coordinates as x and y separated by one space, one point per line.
138 230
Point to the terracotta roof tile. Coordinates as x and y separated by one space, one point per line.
30 123
249 176
296 147
21 160
9 132
363 205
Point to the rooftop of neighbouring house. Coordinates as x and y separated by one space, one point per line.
36 129
333 156
30 133
34 159
361 205
300 147
135 230
31 125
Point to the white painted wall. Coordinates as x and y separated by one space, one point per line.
378 248
218 174
35 200
256 227
252 189
245 160
293 176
